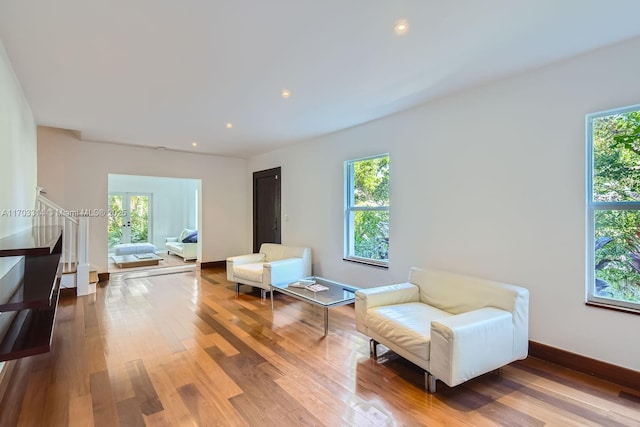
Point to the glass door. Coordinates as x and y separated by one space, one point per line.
129 219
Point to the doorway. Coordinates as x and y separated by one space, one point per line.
152 211
131 218
266 207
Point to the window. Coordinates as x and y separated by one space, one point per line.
613 220
367 210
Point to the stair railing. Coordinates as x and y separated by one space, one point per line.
75 237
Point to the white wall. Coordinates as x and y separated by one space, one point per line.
18 161
173 202
488 182
74 174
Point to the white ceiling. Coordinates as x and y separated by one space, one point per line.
167 73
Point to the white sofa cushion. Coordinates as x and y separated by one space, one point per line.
251 272
274 252
456 294
174 246
277 252
408 325
382 295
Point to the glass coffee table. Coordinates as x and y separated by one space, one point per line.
337 294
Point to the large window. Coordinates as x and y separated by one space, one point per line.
613 140
367 210
129 219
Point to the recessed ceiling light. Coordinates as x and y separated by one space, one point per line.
285 93
229 125
195 144
401 27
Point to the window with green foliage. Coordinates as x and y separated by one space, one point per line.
367 210
613 140
129 218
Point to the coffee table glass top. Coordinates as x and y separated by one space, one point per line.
337 294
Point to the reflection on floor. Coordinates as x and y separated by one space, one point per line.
185 349
168 264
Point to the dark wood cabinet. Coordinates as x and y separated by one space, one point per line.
29 291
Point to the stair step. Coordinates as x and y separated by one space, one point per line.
72 268
69 268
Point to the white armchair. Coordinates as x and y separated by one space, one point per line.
274 263
454 327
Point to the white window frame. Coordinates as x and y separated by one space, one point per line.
349 239
592 207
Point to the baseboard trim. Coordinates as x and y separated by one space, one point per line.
213 264
597 368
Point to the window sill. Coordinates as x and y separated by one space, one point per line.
613 307
371 263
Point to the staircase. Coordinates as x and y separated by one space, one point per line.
76 272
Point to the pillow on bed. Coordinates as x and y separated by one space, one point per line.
191 237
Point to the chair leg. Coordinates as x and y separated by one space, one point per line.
373 348
263 294
430 382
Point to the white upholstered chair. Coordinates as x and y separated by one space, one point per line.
275 263
454 327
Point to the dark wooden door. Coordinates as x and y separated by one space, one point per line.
266 207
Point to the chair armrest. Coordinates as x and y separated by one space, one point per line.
470 344
245 259
382 295
283 270
170 239
387 295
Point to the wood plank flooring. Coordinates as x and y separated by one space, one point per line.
182 349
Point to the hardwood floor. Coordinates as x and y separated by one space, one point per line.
182 349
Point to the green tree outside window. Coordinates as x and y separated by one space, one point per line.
616 205
368 208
